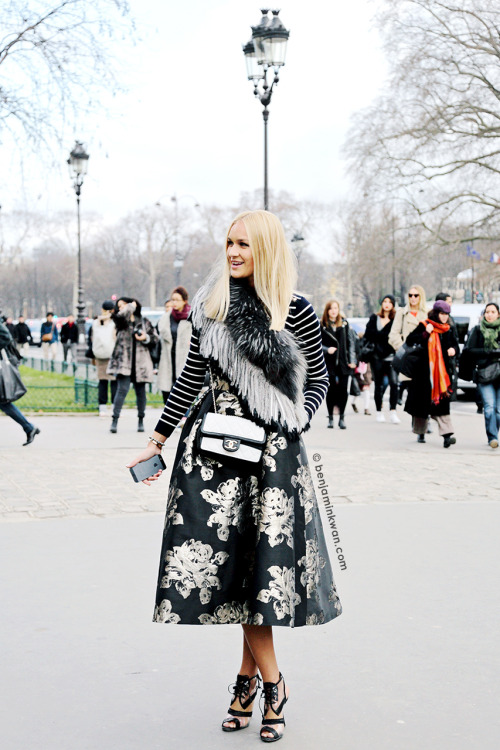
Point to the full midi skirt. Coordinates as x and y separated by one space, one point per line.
243 544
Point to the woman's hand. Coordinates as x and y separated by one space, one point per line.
429 328
352 365
142 337
451 352
332 350
149 451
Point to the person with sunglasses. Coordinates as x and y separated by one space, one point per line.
405 321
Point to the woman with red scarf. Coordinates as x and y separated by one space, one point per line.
430 388
175 335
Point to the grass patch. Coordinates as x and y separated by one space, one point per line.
51 391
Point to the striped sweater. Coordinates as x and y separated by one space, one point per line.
302 322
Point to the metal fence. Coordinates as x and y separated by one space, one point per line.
77 393
82 371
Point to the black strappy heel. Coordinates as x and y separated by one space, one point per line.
271 697
241 690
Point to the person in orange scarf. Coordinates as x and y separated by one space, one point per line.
430 388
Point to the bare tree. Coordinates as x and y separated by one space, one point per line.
434 135
55 60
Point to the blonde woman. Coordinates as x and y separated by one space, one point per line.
244 544
405 321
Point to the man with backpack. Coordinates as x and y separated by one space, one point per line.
102 338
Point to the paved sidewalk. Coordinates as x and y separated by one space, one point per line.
75 467
411 664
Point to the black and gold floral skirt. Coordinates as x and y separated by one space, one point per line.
243 546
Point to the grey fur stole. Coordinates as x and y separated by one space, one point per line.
267 368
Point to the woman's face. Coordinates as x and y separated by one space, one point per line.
443 317
491 313
177 301
121 304
414 297
238 252
387 305
333 312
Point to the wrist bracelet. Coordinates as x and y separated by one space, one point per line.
156 442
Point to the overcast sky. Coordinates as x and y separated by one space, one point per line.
189 123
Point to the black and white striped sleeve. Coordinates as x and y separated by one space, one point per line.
304 323
186 388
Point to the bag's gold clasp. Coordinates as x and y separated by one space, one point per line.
231 444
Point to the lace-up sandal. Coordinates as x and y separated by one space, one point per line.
241 692
270 700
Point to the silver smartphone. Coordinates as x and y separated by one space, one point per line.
147 468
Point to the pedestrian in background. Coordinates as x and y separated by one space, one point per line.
446 297
12 411
430 387
49 336
405 321
130 362
102 339
362 378
377 332
22 336
174 330
480 361
340 359
9 324
69 338
243 543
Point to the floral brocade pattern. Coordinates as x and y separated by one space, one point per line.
243 544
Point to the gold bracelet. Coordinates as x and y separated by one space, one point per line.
156 442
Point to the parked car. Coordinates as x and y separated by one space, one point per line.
35 325
358 324
153 314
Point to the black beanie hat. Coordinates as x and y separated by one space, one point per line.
108 304
391 297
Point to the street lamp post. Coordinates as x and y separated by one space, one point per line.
266 49
178 256
77 163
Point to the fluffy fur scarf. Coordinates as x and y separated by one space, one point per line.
267 368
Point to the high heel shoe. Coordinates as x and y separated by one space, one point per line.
241 692
270 699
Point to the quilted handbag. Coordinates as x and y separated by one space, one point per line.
225 436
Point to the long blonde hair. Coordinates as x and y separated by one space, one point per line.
275 272
422 300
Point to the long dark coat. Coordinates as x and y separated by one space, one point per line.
419 401
342 338
120 362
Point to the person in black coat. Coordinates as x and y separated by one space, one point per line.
6 344
480 361
428 398
69 338
340 357
377 332
22 336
